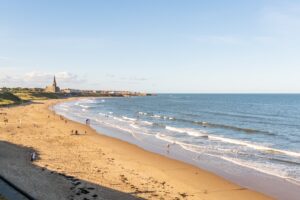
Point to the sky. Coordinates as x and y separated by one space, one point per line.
160 46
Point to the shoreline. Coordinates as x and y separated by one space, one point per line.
108 162
242 175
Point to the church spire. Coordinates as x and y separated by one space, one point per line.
54 81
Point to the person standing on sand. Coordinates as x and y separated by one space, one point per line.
168 148
33 156
87 122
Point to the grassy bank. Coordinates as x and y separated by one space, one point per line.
15 98
7 98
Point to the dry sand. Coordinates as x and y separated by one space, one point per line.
94 166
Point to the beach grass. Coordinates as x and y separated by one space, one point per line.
4 102
7 98
15 97
29 96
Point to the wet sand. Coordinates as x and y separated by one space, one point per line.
91 165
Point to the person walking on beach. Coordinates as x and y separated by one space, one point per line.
168 148
33 156
87 122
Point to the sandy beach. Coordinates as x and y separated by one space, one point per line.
89 165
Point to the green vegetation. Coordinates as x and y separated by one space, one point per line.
14 96
7 98
27 96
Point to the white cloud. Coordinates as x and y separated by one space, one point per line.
40 79
36 76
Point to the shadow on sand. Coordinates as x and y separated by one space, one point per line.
44 184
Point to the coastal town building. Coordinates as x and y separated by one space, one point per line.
52 88
71 91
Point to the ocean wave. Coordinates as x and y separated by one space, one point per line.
255 146
189 147
234 141
285 161
142 113
156 116
246 130
209 124
146 122
264 169
187 131
64 108
154 124
129 118
251 164
117 118
123 128
89 101
165 138
84 106
134 126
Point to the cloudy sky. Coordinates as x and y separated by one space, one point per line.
152 45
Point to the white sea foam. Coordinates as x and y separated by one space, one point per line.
165 138
65 109
134 126
90 100
142 113
117 118
214 145
190 132
256 166
234 141
262 168
156 116
147 123
128 118
84 106
254 146
191 147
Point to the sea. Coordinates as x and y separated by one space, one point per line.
251 139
